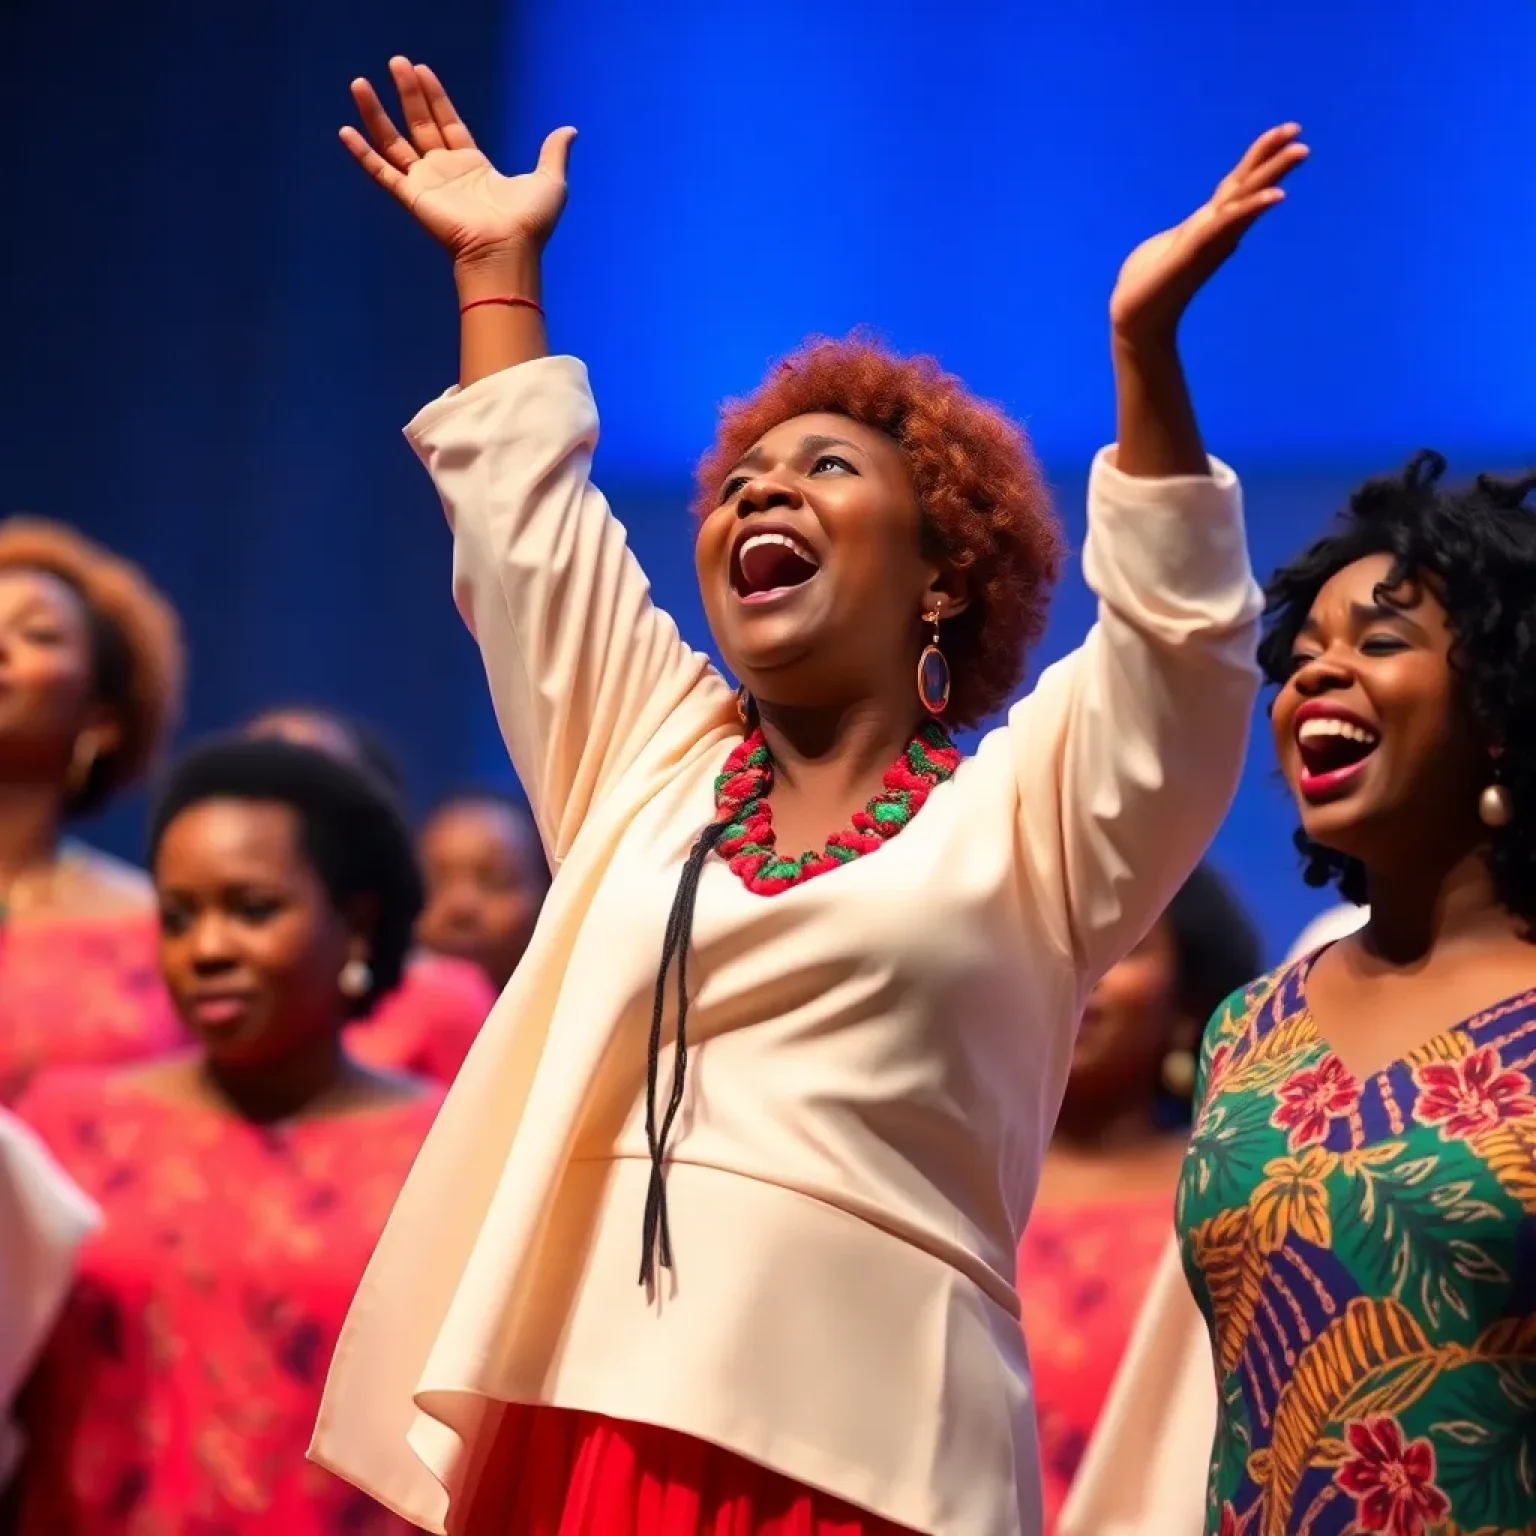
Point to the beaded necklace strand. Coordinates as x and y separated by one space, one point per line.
742 802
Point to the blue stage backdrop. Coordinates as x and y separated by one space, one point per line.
213 328
967 182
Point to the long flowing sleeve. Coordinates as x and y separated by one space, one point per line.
1145 1469
583 668
1128 752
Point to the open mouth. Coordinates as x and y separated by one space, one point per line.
768 563
1333 752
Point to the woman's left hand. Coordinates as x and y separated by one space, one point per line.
1163 274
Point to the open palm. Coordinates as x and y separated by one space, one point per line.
1163 274
437 172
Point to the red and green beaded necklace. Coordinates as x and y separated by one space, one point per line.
742 804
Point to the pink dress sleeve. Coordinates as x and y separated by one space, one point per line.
1083 1274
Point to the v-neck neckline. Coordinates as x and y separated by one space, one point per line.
1425 1051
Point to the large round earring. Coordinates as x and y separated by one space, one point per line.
933 671
1494 807
356 979
746 710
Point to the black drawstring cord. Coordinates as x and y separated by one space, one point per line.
656 1237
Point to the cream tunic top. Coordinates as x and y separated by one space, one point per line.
876 1056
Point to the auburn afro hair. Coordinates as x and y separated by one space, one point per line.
137 653
986 508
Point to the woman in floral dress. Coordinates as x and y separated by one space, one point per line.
1358 1206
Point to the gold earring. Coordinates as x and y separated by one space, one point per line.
745 708
1178 1074
933 670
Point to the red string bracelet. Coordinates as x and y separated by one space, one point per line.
511 300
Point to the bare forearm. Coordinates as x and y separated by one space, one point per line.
493 337
1156 432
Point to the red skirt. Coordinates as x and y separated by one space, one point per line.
557 1472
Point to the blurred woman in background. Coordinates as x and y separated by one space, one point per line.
244 1184
486 878
428 1023
91 671
1105 1207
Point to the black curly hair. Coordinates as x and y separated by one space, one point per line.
352 832
1475 548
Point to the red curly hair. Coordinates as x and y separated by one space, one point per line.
985 504
138 656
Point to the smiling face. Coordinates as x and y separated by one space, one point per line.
1368 728
46 673
485 878
813 568
251 946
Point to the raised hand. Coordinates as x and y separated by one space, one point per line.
436 171
1163 274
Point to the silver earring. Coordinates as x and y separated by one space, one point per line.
1494 807
356 979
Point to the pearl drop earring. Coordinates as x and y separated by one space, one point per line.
356 978
1494 808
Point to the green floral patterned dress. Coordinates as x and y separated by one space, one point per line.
1365 1256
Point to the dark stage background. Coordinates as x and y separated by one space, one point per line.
213 327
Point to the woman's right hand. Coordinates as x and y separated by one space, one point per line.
439 174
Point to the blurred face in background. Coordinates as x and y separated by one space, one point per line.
47 675
1133 1019
486 879
251 945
